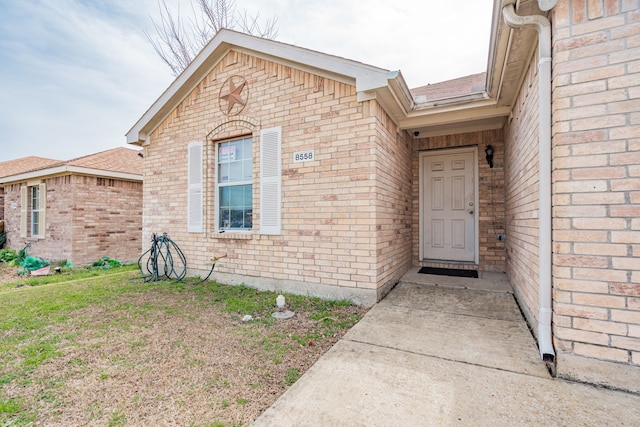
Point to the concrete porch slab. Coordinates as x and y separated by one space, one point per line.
488 281
443 351
466 302
359 384
499 344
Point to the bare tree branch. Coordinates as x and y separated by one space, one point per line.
177 45
251 25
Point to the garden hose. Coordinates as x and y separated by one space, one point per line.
213 264
159 261
165 260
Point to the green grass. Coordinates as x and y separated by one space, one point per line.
291 376
34 319
65 275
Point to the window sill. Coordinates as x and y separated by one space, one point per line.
233 236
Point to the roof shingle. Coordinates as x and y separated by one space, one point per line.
451 88
25 164
116 160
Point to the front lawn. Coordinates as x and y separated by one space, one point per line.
113 350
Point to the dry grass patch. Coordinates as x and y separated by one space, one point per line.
112 351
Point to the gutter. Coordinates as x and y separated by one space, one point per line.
543 26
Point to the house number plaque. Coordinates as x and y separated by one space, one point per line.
304 156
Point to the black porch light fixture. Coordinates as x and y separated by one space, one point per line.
489 155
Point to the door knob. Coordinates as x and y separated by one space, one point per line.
470 212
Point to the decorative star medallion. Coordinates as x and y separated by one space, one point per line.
232 101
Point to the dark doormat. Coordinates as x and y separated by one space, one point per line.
449 272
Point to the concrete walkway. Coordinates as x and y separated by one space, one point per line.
443 351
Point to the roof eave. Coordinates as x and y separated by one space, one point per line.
69 170
364 77
453 113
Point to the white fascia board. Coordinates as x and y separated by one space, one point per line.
105 174
65 170
498 47
454 113
394 96
365 77
462 99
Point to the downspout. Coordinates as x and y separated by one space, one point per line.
543 26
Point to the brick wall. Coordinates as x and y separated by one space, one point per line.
393 201
521 195
331 240
86 218
12 217
492 255
596 176
58 242
1 203
107 219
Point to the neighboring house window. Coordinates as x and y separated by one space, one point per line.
235 184
33 209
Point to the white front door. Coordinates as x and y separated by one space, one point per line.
448 205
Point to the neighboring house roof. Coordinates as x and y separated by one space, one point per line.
461 86
121 162
24 164
120 159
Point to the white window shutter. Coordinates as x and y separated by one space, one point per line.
24 209
43 210
270 180
194 202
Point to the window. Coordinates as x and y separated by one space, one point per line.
33 206
235 184
34 210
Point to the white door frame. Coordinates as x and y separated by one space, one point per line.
421 189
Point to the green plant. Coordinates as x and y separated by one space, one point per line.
118 419
291 375
7 255
106 263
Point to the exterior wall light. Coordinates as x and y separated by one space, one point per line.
489 155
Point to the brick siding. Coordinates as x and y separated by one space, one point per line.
338 219
1 203
86 218
596 152
596 124
521 196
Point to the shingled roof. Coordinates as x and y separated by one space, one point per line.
118 162
451 88
118 159
25 164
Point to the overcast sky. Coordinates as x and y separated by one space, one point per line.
75 75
